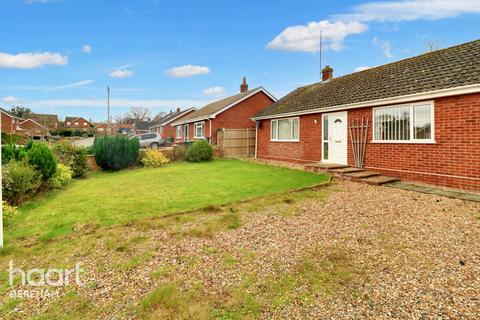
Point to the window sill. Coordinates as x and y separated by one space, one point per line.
284 140
405 142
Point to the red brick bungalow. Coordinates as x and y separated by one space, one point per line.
78 123
423 113
30 128
234 112
164 126
10 122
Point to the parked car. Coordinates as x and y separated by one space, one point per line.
150 140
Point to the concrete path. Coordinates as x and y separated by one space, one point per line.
464 195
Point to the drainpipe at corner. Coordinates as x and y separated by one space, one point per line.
257 123
210 129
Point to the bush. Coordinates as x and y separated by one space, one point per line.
72 156
61 178
65 133
11 151
42 159
9 212
115 152
154 158
8 138
19 181
199 151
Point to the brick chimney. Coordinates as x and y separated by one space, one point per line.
178 109
327 73
244 86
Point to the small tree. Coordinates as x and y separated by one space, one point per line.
41 158
115 152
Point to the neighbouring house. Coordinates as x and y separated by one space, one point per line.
77 123
10 123
115 128
164 125
423 117
31 128
49 121
234 112
139 126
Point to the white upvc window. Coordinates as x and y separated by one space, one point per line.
76 123
199 130
179 132
68 123
410 123
285 129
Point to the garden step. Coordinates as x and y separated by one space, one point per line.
315 167
346 170
378 180
362 174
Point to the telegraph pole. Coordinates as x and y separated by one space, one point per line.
320 53
108 109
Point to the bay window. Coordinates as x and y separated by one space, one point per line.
285 129
406 123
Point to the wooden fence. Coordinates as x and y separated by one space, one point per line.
237 142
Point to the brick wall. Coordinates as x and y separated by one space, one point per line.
9 124
453 161
237 117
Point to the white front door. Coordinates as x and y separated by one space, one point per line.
334 137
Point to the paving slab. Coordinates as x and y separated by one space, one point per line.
378 180
326 165
456 194
346 170
362 174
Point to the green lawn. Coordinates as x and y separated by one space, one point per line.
106 199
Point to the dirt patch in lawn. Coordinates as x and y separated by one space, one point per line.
347 251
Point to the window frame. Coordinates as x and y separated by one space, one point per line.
195 125
412 139
179 132
291 130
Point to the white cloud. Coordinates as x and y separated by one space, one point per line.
362 68
31 60
71 85
214 91
12 100
306 38
187 71
410 10
385 46
119 74
87 49
154 103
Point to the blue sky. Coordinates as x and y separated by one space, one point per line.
58 56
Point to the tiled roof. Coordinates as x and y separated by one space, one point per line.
50 120
216 106
169 117
443 69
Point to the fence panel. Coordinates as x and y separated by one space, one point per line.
238 142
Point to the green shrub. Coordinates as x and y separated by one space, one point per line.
65 133
61 178
41 158
8 138
9 212
199 151
11 151
72 156
154 158
19 181
115 152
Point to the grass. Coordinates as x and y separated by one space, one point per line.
107 199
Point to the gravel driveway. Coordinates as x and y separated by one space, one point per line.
390 254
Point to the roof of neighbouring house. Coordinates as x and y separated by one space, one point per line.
8 113
139 124
171 117
47 119
454 67
218 106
